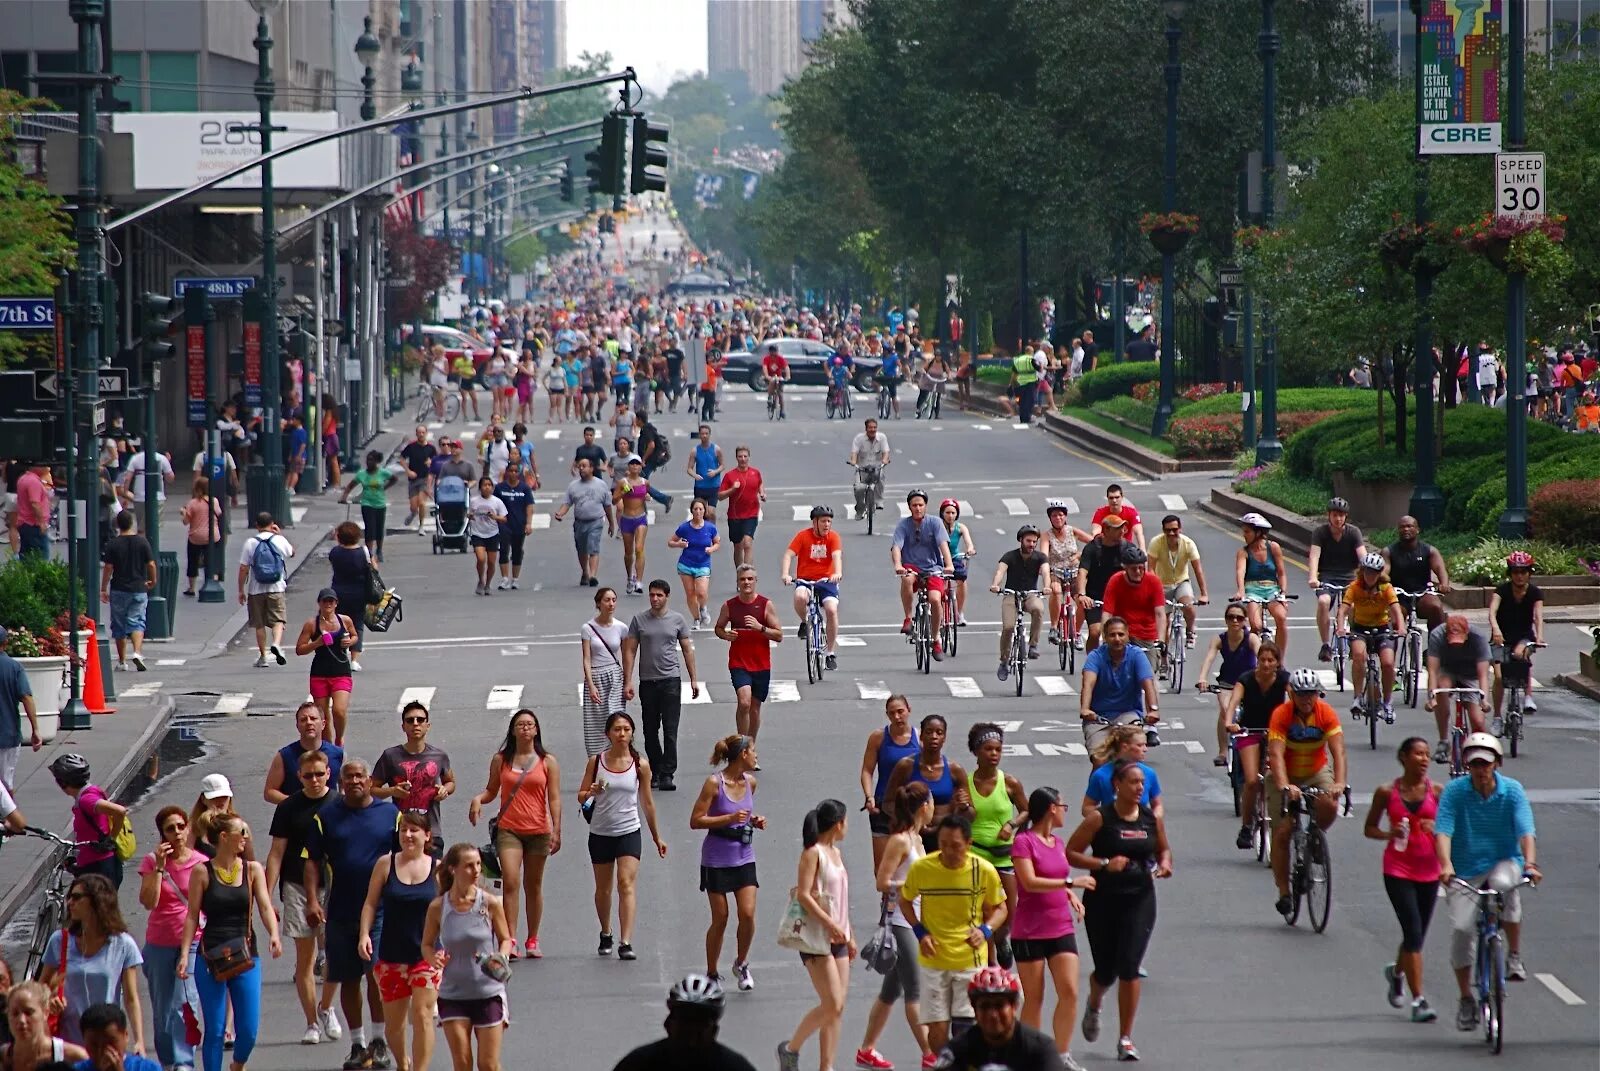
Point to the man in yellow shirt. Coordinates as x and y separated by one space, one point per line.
962 904
1173 558
1370 610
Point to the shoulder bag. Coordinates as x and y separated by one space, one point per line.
233 957
801 932
882 950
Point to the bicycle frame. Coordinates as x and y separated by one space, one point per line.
1489 963
1460 722
816 632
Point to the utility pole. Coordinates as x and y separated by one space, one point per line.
265 489
1514 521
1427 501
1268 446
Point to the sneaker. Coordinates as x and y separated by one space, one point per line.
122 667
666 785
800 631
260 662
938 653
1284 906
594 581
1003 672
1497 725
625 951
1244 840
1126 1050
905 627
514 585
1514 968
1033 650
788 1059
378 1055
741 971
1396 981
1358 709
1055 637
1188 644
138 662
1325 654
532 949
667 505
1152 738
357 1058
312 1036
1388 713
605 944
1091 1024
1422 1011
328 1023
1467 1014
1441 751
1069 1063
1529 706
278 655
872 1060
831 661
504 585
961 620
355 667
930 1060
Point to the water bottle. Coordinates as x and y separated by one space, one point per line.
1404 839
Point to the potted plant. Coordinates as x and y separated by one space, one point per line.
1400 245
1512 244
47 674
34 594
1169 232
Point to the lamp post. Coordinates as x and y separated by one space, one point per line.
411 86
472 247
1268 446
1169 203
1514 521
1427 501
367 52
265 490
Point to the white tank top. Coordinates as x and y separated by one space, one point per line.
899 877
616 809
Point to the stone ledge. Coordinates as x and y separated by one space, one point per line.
1290 529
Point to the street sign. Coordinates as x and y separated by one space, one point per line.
217 288
27 313
1230 275
48 385
113 384
99 417
1519 186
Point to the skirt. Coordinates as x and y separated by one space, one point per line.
608 682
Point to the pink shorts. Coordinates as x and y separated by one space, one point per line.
397 981
324 687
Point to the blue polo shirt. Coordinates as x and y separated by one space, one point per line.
13 686
1483 831
1117 689
919 544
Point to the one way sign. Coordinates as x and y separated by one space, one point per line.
47 385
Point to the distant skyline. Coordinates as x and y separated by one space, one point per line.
664 40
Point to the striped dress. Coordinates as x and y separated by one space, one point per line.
605 670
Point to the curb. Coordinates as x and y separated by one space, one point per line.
1580 685
1289 529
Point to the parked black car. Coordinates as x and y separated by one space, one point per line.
808 365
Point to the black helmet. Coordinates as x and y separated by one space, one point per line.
71 770
1132 555
1338 505
699 992
1026 530
917 492
821 511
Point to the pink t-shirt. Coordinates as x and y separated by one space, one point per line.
194 515
33 501
1041 915
87 825
165 928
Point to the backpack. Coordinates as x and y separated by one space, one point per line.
663 452
266 562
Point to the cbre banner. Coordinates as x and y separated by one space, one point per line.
1458 94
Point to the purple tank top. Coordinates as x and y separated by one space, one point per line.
1235 663
721 851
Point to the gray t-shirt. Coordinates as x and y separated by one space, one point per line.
1460 660
1338 561
659 639
13 686
588 499
463 468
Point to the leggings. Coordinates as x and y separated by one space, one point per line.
1119 928
903 979
512 537
244 992
1413 906
372 523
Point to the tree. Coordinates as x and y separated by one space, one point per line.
35 231
422 262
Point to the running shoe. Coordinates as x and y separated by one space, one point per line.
532 949
961 620
378 1055
1422 1011
278 655
1325 654
260 662
1069 1063
1285 906
312 1036
1529 706
1514 968
1003 672
122 667
606 942
905 627
1126 1052
513 585
328 1023
1033 650
625 951
1091 1024
938 653
138 661
872 1060
1497 725
357 1058
1467 1014
930 1060
1244 839
1441 752
1388 713
1393 977
355 667
831 661
788 1059
1055 637
741 971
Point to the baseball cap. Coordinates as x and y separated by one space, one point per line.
1111 520
215 786
326 594
1456 628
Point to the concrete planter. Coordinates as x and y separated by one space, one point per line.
1572 590
1373 501
51 690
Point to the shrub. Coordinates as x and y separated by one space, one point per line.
1113 380
1486 563
1567 511
1202 391
1146 392
1293 399
1277 485
32 592
23 644
1204 437
1300 453
1292 424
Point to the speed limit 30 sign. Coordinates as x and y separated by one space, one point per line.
1519 185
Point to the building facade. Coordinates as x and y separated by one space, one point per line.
1557 29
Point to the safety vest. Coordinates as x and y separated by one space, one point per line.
1027 372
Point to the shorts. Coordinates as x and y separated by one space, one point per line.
944 994
841 951
728 879
630 525
825 589
296 465
1464 918
693 570
586 536
489 543
344 963
935 583
604 849
1322 779
1265 590
960 569
1329 581
128 613
324 687
708 495
397 981
1180 591
1032 949
483 1013
1369 636
266 609
556 392
742 528
416 485
758 681
1092 615
878 822
295 926
530 843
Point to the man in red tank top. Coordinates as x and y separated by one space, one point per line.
749 622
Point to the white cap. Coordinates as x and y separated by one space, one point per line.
215 786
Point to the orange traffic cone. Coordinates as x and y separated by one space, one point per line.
94 689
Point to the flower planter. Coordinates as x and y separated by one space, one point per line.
51 690
1169 241
1496 251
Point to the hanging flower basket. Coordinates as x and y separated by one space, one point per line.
1511 244
1169 232
1400 245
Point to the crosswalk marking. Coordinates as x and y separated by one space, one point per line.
852 641
1054 685
140 691
1559 988
297 514
415 695
1072 505
982 427
552 433
1048 750
686 693
1015 507
1173 502
965 507
516 650
875 690
171 661
783 692
963 687
1193 747
541 521
802 513
505 697
232 703
905 510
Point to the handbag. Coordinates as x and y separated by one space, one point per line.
382 614
375 588
125 841
798 931
882 950
232 957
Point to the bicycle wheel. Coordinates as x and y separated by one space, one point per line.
424 407
1514 726
1019 655
1319 879
1261 829
1374 708
884 407
948 632
1065 637
1412 652
1457 767
452 408
869 502
936 405
1297 872
1175 658
1494 993
1070 641
813 670
1235 781
831 406
1338 662
772 405
46 921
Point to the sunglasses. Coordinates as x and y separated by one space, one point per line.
313 774
1171 531
1233 617
415 721
71 896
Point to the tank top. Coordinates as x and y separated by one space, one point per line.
1237 662
954 539
750 650
1060 551
524 808
405 910
943 788
1256 708
1420 860
467 936
616 809
890 753
1136 840
720 851
1409 569
835 881
291 752
330 661
705 459
1260 572
226 908
989 813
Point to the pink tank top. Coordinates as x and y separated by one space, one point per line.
1419 862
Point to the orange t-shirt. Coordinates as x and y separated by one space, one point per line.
814 553
1305 744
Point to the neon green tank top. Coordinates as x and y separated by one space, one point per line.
989 814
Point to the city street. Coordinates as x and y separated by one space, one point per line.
1230 985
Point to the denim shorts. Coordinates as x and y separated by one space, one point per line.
586 536
127 613
757 681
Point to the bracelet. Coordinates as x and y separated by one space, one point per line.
919 931
983 928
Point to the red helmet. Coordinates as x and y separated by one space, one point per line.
994 982
950 502
1519 559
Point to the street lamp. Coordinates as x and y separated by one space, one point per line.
1169 203
367 52
1268 447
411 86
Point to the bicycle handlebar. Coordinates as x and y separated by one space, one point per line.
1428 589
1456 691
45 834
1467 886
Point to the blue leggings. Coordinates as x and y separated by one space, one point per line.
245 994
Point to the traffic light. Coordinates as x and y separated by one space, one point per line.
649 156
156 325
605 162
569 193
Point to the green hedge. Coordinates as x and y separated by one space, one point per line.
1114 380
1296 399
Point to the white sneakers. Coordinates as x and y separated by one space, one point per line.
328 1021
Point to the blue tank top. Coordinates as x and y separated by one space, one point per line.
1259 572
705 460
405 909
291 753
890 753
942 790
1237 662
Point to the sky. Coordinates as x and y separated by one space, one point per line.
661 39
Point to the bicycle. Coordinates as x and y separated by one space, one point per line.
428 411
885 401
949 632
1259 823
1177 638
1462 700
838 401
1268 631
1408 659
922 630
814 632
1017 650
1340 644
1310 862
1068 624
867 482
1516 698
929 407
775 399
1489 966
1370 697
52 913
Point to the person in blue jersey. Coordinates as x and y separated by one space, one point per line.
516 494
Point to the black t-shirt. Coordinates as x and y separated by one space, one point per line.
1515 619
669 1055
1026 1050
674 361
129 557
1100 564
1136 840
1256 708
594 452
1141 349
419 458
293 820
1409 569
646 436
1022 573
1338 561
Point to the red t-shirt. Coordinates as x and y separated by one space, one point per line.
814 554
1130 517
1135 605
744 503
774 366
751 649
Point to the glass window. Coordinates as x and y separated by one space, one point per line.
1566 16
130 66
173 78
14 72
48 63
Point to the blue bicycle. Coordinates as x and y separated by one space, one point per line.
814 632
1489 967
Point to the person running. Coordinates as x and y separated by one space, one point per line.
164 892
1516 619
283 771
1122 743
1260 578
817 557
1236 648
1410 868
726 810
962 549
743 488
946 781
1173 558
749 622
328 638
1254 697
696 539
822 888
704 467
263 579
1098 562
291 830
1305 747
469 941
95 818
694 1009
1337 548
589 499
526 779
885 748
201 533
399 894
998 803
614 792
416 775
600 645
920 547
1368 609
628 498
1042 936
374 482
486 514
226 893
1021 569
1063 545
31 1045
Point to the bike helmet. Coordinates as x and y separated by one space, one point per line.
1519 559
71 770
1026 530
697 991
1256 520
950 502
1053 504
1132 555
821 511
1374 561
1304 680
995 982
1481 742
917 492
1338 505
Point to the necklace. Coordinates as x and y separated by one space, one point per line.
228 875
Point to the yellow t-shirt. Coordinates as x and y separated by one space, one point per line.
1369 607
1172 566
953 901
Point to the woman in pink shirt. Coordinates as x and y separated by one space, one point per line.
1042 934
164 892
1410 867
201 533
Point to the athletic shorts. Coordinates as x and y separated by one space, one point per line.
397 981
416 485
489 543
878 823
693 570
758 681
1180 591
604 849
1322 779
295 926
324 687
486 1012
1369 636
708 495
825 589
344 963
728 879
629 525
739 528
1029 950
944 994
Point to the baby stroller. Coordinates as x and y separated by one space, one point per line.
450 515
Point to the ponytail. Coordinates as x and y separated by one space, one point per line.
821 818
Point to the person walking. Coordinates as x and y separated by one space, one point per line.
469 940
589 500
526 779
485 516
351 565
126 580
291 831
374 482
823 891
516 494
1123 845
164 892
885 748
1042 934
615 790
328 638
263 579
1410 868
93 959
16 699
400 892
696 539
749 622
600 646
726 810
201 532
658 643
416 775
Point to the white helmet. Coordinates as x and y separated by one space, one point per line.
1054 504
1374 561
1256 520
1482 741
1304 680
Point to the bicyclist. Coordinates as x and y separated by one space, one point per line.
997 1039
776 369
1516 618
1458 657
1253 699
1236 648
1172 558
1020 569
1137 597
1368 608
961 549
1484 819
1302 736
920 546
1098 562
1062 545
871 450
1117 504
1117 680
694 1012
841 366
1413 565
1259 577
817 556
1336 549
890 372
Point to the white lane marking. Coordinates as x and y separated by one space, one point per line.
852 641
849 512
435 425
1193 747
1174 723
297 513
1556 986
515 651
1072 505
875 690
1053 685
140 691
541 521
1173 502
505 697
927 476
802 513
1141 483
232 703
415 695
1020 427
686 693
1330 680
966 507
171 661
982 427
905 510
1047 750
783 692
963 687
1015 507
552 433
